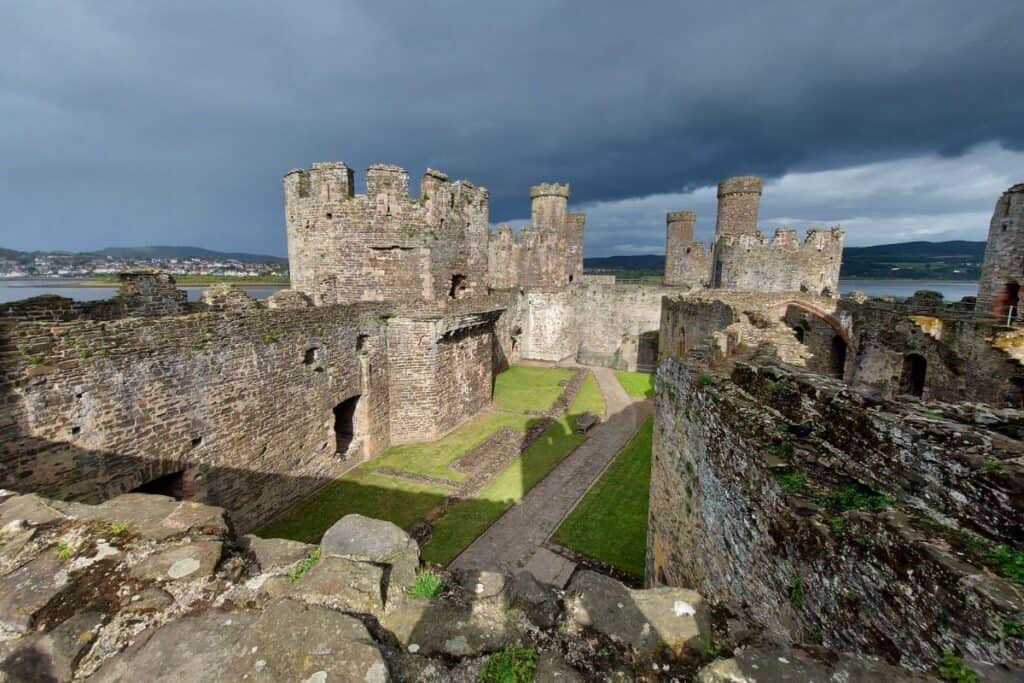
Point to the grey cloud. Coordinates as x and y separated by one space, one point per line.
132 123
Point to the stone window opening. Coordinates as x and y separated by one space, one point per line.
197 442
681 341
344 424
1011 298
176 485
458 286
912 378
361 344
838 356
311 356
798 332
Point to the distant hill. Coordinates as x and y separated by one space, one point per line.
953 260
164 252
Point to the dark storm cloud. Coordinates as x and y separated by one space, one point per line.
132 123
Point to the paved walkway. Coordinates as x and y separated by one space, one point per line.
511 542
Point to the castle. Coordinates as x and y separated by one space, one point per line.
775 397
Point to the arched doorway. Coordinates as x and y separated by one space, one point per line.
912 378
837 359
345 424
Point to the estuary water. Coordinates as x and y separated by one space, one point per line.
15 289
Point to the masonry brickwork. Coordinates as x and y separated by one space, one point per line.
384 245
240 400
1002 271
686 264
742 258
548 253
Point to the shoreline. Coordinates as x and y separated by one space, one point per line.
76 283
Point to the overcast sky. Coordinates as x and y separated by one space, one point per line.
133 123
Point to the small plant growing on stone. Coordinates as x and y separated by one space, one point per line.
705 380
511 665
1012 629
791 482
953 669
29 358
304 565
990 464
118 528
795 593
64 552
427 585
710 647
1007 561
855 497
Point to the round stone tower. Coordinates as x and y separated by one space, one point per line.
1002 271
549 205
678 245
738 200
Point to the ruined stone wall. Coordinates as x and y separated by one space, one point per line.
1002 272
686 264
242 400
600 324
750 261
830 518
439 373
967 359
549 251
384 246
615 325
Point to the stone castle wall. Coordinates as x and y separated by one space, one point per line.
751 261
594 324
241 400
686 264
548 253
759 517
385 245
1002 272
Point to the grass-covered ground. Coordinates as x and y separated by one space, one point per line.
467 519
637 384
610 523
370 491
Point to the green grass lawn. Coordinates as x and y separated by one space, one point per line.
528 387
610 522
370 492
365 493
637 384
467 519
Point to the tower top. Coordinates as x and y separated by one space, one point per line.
549 190
745 184
677 216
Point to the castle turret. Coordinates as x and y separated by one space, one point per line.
685 262
1002 271
549 205
738 200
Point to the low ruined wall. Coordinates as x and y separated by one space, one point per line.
241 401
755 263
826 517
607 325
967 359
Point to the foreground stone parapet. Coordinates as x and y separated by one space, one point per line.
354 537
288 641
824 515
646 620
767 665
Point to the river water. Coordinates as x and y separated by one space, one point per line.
13 290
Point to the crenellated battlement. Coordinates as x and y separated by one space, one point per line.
384 245
754 261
